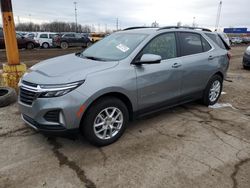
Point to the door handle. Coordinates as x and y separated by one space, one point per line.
176 65
211 57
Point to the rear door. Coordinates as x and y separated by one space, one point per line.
70 38
196 68
43 38
159 84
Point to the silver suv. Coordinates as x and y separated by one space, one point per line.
126 75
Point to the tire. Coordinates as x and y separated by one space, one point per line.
30 46
96 115
7 96
64 45
208 99
45 45
246 67
89 44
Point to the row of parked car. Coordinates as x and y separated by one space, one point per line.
49 39
239 40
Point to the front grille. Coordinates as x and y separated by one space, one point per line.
26 96
52 116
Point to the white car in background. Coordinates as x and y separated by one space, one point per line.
44 39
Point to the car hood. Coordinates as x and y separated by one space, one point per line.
64 69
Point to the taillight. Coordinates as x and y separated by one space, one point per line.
229 55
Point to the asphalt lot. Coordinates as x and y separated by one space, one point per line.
190 146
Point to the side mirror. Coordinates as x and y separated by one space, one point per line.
149 59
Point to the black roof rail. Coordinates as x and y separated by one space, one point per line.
138 27
185 27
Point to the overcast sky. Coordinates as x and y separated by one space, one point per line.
134 12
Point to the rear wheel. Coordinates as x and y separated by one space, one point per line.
64 45
213 90
245 67
105 121
45 45
30 46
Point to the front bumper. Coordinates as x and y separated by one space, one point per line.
246 60
69 107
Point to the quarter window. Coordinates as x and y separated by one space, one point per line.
190 44
163 45
216 39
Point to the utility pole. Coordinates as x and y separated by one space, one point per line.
218 16
117 24
76 15
13 70
193 21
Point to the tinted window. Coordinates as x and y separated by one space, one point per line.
51 36
216 39
44 36
1 34
205 44
69 35
163 45
190 43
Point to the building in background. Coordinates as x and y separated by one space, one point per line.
237 32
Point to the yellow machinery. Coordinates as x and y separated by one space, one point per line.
13 70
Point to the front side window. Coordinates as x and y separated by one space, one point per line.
190 43
163 45
115 47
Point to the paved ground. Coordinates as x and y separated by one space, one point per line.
189 146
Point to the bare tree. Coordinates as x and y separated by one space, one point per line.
55 26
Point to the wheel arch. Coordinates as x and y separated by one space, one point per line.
125 99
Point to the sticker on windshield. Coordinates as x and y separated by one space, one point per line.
122 47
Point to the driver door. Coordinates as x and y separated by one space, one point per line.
159 84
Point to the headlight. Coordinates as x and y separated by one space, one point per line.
48 91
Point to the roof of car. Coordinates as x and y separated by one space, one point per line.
150 30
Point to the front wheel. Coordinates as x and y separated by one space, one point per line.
105 121
213 90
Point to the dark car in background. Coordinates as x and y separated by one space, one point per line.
246 58
71 40
22 42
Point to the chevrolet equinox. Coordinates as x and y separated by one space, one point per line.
123 76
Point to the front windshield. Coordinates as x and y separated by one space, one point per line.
114 47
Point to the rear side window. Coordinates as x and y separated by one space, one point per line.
69 35
190 43
1 34
216 39
163 45
206 45
43 36
51 36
